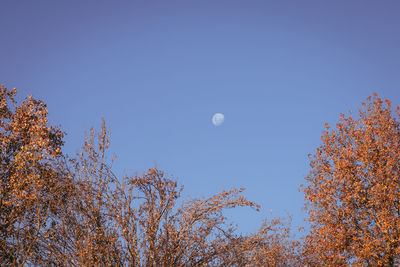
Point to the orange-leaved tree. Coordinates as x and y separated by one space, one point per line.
272 245
30 188
140 220
353 191
136 220
76 212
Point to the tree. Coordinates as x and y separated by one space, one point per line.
61 211
272 245
140 220
353 191
30 192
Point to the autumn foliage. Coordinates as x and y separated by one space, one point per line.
32 189
353 191
73 211
60 210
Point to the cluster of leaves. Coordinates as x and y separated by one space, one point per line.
32 189
56 210
353 191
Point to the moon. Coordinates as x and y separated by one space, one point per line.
218 119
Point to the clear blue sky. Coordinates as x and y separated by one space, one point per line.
158 70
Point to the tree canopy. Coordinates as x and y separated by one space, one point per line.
64 210
73 211
353 190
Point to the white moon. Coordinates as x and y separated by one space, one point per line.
218 119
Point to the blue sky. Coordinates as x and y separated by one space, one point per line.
158 70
